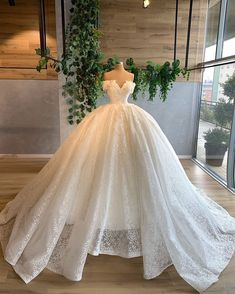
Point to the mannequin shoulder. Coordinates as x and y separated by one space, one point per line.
108 75
116 75
131 76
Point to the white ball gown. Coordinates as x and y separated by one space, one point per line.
116 186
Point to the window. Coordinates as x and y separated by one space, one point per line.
212 29
229 30
215 142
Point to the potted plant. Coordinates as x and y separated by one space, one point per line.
217 139
223 113
216 145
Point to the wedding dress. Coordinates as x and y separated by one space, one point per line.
116 186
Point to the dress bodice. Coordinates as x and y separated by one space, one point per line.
116 93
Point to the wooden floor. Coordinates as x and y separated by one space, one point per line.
106 274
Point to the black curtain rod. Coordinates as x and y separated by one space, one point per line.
63 25
214 63
189 32
11 2
42 27
176 27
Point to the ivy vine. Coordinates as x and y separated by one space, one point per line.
83 65
155 76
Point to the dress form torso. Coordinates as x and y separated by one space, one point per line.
119 74
117 93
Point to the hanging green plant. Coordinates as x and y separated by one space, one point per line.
83 66
155 76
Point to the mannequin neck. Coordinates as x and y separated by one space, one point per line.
119 66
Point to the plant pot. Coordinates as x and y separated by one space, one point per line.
215 153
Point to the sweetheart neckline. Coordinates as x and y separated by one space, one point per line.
118 84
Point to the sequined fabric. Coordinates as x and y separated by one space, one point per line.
116 186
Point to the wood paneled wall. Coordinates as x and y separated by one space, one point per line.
19 36
128 31
148 34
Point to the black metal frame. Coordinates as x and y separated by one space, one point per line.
12 2
218 61
188 33
176 27
175 33
42 31
42 27
63 25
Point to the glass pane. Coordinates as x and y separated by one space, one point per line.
217 102
229 30
19 34
212 29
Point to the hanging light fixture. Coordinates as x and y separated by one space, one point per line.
146 3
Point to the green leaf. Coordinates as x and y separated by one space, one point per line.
38 51
83 66
38 68
48 51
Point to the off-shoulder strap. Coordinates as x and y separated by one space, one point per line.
132 87
105 85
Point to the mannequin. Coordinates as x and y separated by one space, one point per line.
119 74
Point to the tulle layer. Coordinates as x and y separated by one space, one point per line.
116 186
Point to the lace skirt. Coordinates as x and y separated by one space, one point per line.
116 186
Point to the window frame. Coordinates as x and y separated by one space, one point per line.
217 61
